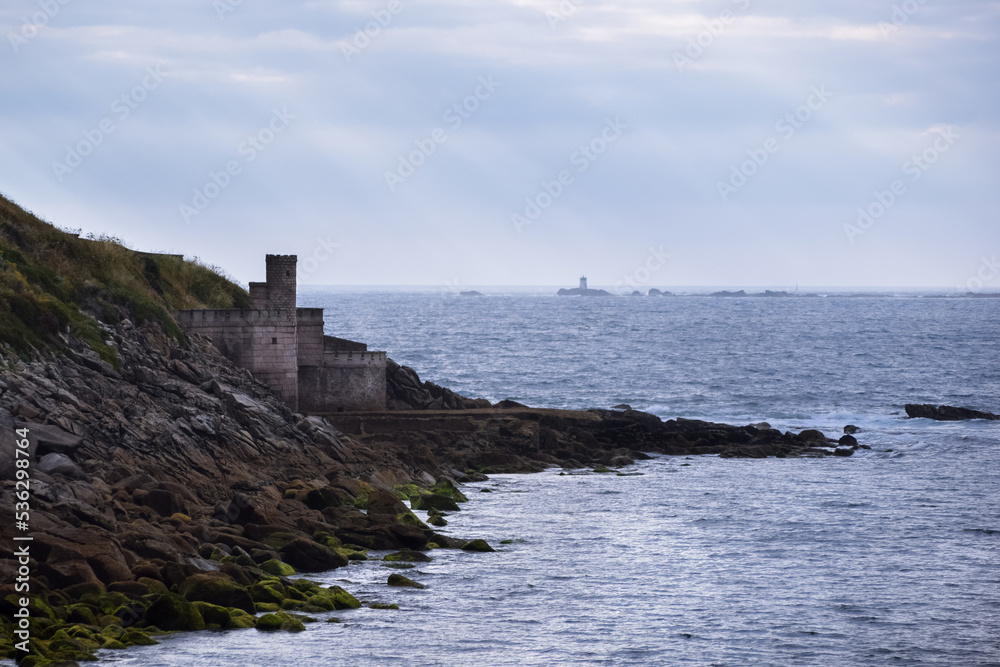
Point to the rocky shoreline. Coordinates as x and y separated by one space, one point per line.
173 492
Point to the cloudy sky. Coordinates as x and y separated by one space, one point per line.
518 142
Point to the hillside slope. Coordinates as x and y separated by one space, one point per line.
54 283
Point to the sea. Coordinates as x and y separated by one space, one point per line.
889 557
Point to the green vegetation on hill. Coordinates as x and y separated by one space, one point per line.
53 283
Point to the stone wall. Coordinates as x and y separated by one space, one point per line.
310 335
262 341
347 381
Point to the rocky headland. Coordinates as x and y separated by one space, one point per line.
168 490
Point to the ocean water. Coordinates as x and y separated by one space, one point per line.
888 557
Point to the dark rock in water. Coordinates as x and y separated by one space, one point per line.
477 545
725 293
437 520
848 441
471 293
811 434
945 413
851 429
620 461
401 581
434 501
654 292
843 452
636 293
621 406
407 556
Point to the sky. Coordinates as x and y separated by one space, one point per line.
650 143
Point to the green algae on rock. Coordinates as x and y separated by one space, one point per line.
403 582
477 545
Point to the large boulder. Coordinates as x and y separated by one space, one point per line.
435 501
308 556
60 464
172 612
946 412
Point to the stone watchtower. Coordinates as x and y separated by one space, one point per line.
583 282
284 347
279 290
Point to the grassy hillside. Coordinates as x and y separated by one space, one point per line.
53 283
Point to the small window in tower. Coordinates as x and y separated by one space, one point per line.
274 341
288 273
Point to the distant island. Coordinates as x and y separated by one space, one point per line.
471 293
765 293
583 290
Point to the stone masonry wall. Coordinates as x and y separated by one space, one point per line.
262 341
346 382
281 281
310 336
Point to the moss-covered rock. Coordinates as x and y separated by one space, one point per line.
277 568
82 613
137 638
240 619
267 591
279 621
434 501
268 606
218 590
477 545
172 612
410 519
437 520
444 487
399 566
216 617
401 581
407 556
340 598
383 605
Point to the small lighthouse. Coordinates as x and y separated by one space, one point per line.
583 282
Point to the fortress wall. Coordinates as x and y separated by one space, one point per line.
334 344
275 358
310 336
258 296
346 382
262 341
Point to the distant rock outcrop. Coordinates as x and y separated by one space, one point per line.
579 291
470 293
945 413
